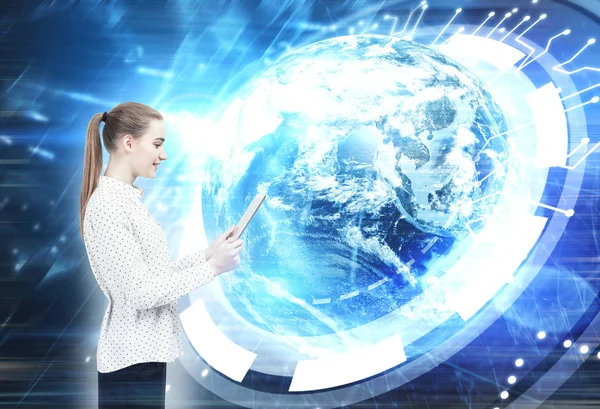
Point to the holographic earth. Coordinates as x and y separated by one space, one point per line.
378 156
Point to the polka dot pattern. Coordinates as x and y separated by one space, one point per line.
130 258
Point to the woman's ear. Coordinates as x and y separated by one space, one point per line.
128 142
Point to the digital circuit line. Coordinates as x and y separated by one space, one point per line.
567 212
580 92
456 13
593 100
490 15
518 39
458 31
583 143
525 19
501 134
507 132
588 153
388 17
525 63
507 15
412 33
561 70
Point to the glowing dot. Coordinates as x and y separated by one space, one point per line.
492 14
569 212
504 395
594 100
387 16
541 335
205 372
519 363
502 30
496 407
423 2
534 1
87 359
585 141
591 41
526 18
458 10
543 16
167 388
584 349
360 23
515 10
567 32
461 29
375 25
512 379
425 6
598 355
568 343
508 15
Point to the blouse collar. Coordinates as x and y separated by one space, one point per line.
122 187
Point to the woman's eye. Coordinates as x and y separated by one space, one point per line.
158 146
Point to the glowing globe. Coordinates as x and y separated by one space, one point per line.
379 157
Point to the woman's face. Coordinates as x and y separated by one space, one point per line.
149 150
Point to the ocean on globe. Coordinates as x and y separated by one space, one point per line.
378 156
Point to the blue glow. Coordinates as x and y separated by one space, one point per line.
350 172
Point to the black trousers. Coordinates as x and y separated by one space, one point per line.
136 386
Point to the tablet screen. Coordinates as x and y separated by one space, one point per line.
248 215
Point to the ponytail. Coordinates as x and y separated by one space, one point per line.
92 165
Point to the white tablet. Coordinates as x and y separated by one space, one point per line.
248 215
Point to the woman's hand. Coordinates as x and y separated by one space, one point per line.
211 249
223 253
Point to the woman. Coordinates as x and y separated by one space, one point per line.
130 259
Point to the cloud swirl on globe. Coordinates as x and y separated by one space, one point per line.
378 157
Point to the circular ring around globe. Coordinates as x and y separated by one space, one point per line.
236 393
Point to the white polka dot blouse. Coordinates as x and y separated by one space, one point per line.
130 259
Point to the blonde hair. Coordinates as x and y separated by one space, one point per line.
128 118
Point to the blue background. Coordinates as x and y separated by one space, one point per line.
62 62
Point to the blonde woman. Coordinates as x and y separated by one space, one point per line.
130 259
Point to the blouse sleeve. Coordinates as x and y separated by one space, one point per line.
189 260
119 261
